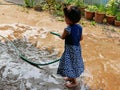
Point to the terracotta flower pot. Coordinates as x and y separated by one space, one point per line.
110 19
89 15
99 17
117 23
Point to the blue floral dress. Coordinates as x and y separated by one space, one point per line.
71 63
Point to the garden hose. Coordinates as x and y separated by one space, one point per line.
55 34
26 59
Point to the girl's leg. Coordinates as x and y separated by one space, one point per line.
67 79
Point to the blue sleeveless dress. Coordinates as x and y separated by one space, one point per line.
71 63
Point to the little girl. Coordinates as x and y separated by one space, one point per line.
71 63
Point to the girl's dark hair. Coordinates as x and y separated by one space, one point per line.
73 13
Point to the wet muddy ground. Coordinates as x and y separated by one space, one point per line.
16 74
30 30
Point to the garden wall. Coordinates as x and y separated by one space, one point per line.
19 1
96 1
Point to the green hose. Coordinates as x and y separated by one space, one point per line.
55 34
33 63
26 59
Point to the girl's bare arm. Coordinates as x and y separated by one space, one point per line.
81 38
65 33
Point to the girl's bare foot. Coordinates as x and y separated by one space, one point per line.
72 82
71 85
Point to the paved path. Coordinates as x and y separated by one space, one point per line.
16 1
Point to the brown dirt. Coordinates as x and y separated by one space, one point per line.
101 44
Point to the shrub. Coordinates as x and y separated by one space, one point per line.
29 3
118 16
92 8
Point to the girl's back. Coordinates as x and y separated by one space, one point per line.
75 33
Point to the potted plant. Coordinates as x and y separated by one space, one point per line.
90 12
117 20
38 6
80 4
110 17
100 14
111 9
